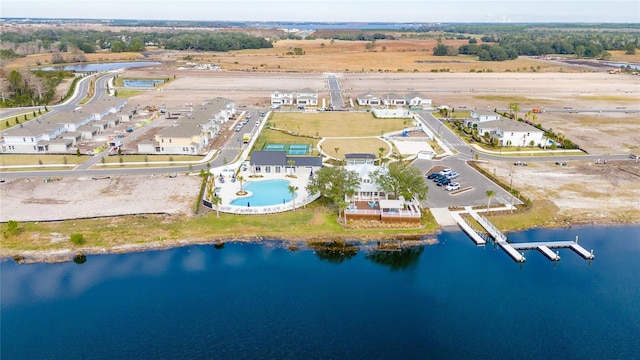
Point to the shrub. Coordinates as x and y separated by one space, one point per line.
77 238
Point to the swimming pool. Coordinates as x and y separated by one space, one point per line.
265 193
141 82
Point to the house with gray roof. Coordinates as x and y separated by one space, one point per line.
393 99
307 96
368 99
278 162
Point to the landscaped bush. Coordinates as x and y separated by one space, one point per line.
77 239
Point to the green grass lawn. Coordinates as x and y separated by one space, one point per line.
10 121
316 221
346 146
41 159
334 123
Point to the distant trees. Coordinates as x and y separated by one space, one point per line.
216 42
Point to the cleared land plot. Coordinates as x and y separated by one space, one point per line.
334 124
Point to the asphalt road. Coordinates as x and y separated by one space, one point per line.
335 92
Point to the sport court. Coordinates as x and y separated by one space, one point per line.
290 149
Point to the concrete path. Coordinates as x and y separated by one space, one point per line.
443 217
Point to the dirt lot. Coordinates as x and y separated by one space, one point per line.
583 191
580 190
72 197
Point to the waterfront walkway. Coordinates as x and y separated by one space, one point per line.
513 249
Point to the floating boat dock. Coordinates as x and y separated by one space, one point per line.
513 249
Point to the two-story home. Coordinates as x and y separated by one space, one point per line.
513 133
281 97
307 96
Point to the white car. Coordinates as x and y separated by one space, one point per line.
453 186
445 171
452 175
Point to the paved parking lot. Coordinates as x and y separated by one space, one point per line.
438 197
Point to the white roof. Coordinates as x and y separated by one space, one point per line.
391 204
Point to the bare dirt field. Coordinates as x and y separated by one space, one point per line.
72 197
583 191
580 190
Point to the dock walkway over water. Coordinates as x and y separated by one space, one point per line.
513 249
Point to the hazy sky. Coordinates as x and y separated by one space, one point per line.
332 10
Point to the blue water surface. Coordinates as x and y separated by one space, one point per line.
101 66
451 300
265 193
141 82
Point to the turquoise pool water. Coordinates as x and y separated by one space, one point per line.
141 83
265 193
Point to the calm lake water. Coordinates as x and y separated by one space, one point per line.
452 300
101 66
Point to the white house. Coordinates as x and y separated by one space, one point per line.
368 99
417 99
512 133
479 116
367 189
393 99
307 96
281 97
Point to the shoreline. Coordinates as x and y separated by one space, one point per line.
361 242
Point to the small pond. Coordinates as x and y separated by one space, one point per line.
141 82
101 66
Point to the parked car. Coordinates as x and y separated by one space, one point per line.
452 175
453 186
238 128
445 171
248 116
444 182
438 178
432 175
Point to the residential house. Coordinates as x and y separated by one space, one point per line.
417 99
478 116
308 97
393 99
281 97
36 136
513 133
368 99
188 139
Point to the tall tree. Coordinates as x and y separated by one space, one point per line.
334 183
401 180
515 107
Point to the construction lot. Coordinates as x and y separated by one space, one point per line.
581 190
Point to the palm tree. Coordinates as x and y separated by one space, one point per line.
292 190
515 107
490 194
336 150
240 179
291 165
216 201
381 151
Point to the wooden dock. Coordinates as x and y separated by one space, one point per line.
513 249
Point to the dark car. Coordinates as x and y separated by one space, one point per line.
444 182
438 178
431 176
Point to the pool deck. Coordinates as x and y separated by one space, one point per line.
227 192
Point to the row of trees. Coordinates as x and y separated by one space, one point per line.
50 40
28 88
335 183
